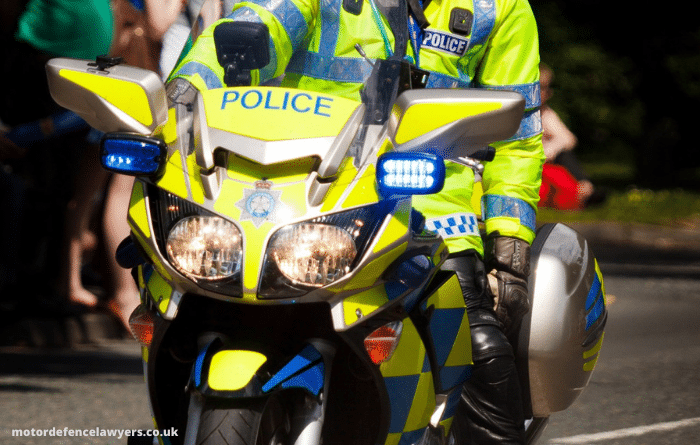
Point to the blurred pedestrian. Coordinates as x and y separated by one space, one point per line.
84 29
565 185
139 27
12 196
33 187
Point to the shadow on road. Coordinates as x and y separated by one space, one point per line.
68 362
643 261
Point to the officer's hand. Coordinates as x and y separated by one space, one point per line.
509 261
510 300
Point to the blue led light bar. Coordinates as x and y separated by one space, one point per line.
410 174
132 155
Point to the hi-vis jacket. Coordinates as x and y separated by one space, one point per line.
469 43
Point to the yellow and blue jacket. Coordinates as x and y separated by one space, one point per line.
468 44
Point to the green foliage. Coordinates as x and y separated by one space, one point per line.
594 89
627 85
662 207
684 67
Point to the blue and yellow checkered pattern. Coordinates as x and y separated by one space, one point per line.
408 376
458 224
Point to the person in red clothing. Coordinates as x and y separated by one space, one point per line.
565 186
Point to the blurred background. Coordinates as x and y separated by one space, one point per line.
627 83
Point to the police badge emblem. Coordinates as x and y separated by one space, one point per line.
259 205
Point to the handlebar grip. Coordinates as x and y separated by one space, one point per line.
485 154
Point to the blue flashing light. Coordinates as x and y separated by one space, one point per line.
132 155
410 174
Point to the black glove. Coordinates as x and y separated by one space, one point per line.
509 261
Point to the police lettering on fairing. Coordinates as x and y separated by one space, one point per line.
271 100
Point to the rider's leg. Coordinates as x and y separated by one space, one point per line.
491 399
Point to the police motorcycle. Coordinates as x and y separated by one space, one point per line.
290 294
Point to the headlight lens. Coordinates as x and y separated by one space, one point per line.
313 254
205 247
310 254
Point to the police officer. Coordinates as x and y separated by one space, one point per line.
462 43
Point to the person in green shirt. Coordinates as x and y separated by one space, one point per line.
80 29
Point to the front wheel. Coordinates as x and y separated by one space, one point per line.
262 423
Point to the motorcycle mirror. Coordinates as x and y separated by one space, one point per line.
240 48
454 123
109 95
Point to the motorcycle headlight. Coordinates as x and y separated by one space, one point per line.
305 256
313 254
205 247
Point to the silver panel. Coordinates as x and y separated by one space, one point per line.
336 154
554 338
269 152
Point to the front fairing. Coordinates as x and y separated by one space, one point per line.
313 156
231 148
306 154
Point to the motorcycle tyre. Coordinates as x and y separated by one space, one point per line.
262 424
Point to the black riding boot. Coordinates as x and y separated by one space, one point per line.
491 398
490 409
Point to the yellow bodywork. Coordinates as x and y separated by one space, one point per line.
409 365
279 114
251 111
408 368
363 304
231 370
447 297
127 96
423 118
593 355
590 356
288 180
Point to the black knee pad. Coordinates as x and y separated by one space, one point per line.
489 342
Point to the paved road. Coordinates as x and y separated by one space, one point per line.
645 389
86 388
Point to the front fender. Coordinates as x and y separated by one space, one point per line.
238 373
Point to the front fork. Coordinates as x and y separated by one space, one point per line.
308 370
